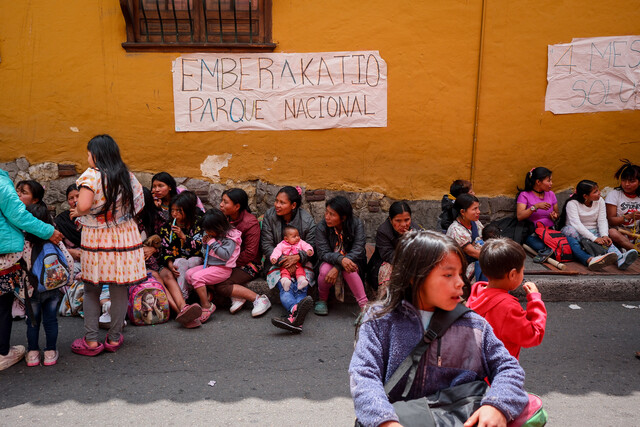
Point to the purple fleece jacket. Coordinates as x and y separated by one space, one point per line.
468 351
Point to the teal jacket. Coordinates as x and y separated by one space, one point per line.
14 218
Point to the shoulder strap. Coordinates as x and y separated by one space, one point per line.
440 322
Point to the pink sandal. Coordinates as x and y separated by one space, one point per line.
113 347
207 312
80 346
188 314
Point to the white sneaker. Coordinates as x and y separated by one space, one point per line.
105 321
627 259
16 353
260 305
599 262
236 304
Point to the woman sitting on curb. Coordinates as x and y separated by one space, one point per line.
585 217
340 241
235 205
397 224
286 211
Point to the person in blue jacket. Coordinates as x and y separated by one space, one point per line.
14 219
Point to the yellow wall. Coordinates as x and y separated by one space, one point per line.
63 66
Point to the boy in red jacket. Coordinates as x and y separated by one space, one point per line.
502 261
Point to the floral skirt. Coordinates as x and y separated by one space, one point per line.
113 255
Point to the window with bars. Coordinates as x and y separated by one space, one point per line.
197 25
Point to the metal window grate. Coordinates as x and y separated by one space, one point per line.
208 21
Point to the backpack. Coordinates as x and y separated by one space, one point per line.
556 241
72 301
49 266
515 230
148 303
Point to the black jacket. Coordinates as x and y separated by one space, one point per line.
326 240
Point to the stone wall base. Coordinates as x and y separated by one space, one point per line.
371 207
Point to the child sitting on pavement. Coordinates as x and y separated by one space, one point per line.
290 245
502 261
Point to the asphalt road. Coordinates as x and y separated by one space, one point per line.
584 370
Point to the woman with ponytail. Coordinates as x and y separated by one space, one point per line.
584 217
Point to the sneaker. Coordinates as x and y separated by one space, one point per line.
33 358
105 321
320 308
302 308
16 353
51 357
236 304
627 259
260 305
207 312
287 322
543 255
597 263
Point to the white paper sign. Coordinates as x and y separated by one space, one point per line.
593 74
279 91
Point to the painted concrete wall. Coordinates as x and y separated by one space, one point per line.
64 77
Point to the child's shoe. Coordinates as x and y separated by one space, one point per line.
627 259
597 263
113 347
260 305
207 312
303 308
189 313
15 354
193 324
33 358
320 308
51 357
287 322
236 304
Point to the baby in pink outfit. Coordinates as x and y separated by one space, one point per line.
290 245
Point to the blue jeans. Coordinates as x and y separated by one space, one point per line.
579 253
45 311
535 243
293 296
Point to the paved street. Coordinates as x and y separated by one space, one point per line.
584 370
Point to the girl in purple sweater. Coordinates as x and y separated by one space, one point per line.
428 274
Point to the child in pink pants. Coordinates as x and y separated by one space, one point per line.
221 246
290 245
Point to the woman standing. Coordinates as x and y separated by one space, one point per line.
14 219
340 241
110 197
286 211
235 205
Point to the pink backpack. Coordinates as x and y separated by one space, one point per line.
148 303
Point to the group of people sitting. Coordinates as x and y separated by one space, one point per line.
600 232
116 234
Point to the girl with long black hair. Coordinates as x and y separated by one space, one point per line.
110 197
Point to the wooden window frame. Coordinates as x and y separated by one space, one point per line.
198 38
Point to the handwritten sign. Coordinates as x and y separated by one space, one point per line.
279 91
594 74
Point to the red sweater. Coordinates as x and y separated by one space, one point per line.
515 327
248 225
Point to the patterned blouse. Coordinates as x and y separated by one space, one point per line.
92 180
173 247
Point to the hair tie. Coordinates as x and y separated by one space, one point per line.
299 190
531 172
